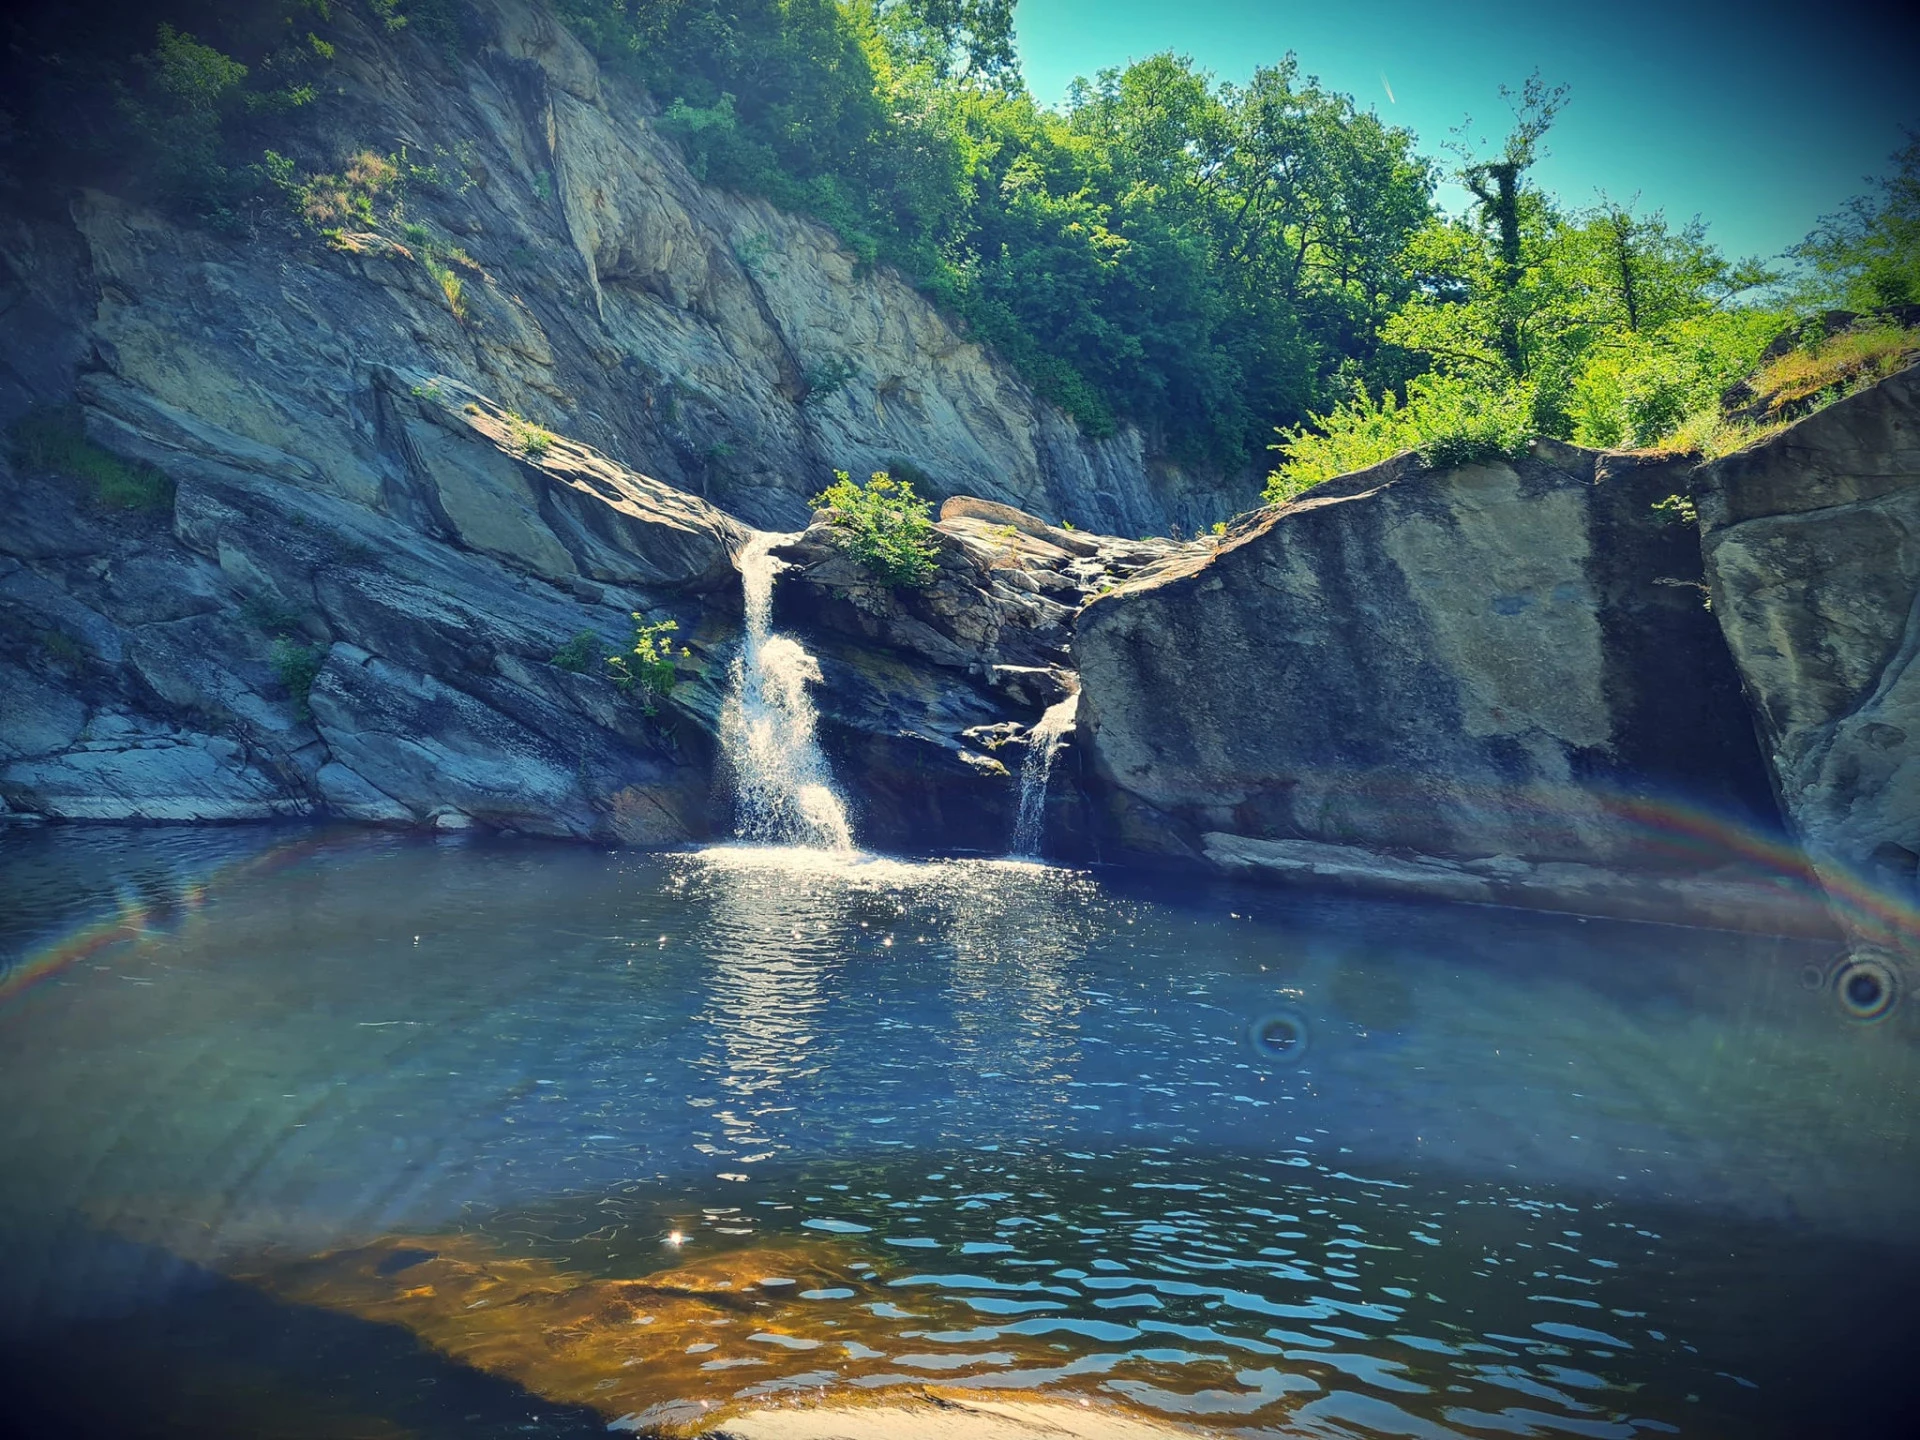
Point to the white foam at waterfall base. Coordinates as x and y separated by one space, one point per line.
1043 744
783 790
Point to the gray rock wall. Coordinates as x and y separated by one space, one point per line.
137 649
1494 660
1812 547
611 297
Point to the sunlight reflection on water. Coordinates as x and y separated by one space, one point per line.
577 1119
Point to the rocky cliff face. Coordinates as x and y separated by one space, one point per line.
257 646
1473 683
393 505
1812 546
731 350
414 492
1465 662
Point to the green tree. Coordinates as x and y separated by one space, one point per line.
1499 186
1866 256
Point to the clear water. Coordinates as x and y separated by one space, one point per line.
346 1135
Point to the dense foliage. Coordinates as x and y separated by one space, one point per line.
1210 262
1867 256
883 525
1198 259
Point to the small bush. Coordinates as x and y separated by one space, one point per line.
368 180
532 441
883 525
1447 420
647 669
580 654
296 666
826 380
52 438
1677 510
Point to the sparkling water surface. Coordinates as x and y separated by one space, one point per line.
318 1134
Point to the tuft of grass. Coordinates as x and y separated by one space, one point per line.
1710 434
296 667
451 285
1830 369
53 439
532 441
579 654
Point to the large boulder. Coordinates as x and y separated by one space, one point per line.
1505 659
1812 549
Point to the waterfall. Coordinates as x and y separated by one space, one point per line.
782 786
1043 743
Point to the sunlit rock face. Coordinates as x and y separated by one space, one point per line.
610 296
429 492
1812 553
1493 660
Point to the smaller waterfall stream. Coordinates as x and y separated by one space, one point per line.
1043 744
782 786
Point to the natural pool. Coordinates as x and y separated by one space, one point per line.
314 1134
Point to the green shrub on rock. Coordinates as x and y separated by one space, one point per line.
52 438
579 654
297 666
883 525
647 669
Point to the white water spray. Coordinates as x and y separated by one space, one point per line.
782 786
1043 744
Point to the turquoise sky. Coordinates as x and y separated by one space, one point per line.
1750 117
